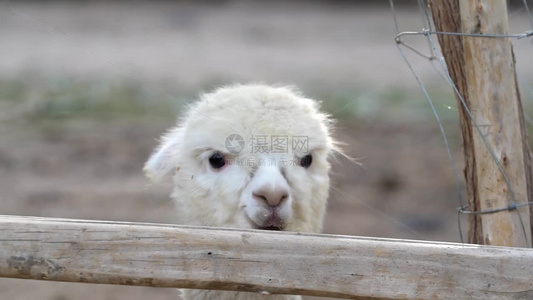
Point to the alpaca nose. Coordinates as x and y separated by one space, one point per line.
273 196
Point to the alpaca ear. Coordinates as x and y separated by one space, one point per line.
165 157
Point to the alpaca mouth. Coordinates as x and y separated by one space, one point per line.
272 228
273 223
268 226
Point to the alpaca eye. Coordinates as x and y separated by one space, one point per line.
306 161
217 160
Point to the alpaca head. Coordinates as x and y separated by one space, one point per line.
249 156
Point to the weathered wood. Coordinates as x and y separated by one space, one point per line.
483 70
259 261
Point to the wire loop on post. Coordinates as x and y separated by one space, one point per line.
511 207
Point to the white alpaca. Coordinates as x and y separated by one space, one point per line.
248 156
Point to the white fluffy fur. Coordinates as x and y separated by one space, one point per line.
223 197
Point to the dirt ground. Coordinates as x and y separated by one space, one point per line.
90 167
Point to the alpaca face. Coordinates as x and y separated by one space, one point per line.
249 157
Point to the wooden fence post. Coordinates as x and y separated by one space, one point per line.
483 69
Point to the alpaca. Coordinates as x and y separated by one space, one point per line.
248 156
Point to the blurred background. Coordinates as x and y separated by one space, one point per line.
87 87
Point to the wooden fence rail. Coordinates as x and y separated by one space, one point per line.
259 261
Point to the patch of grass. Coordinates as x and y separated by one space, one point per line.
66 98
390 105
12 91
